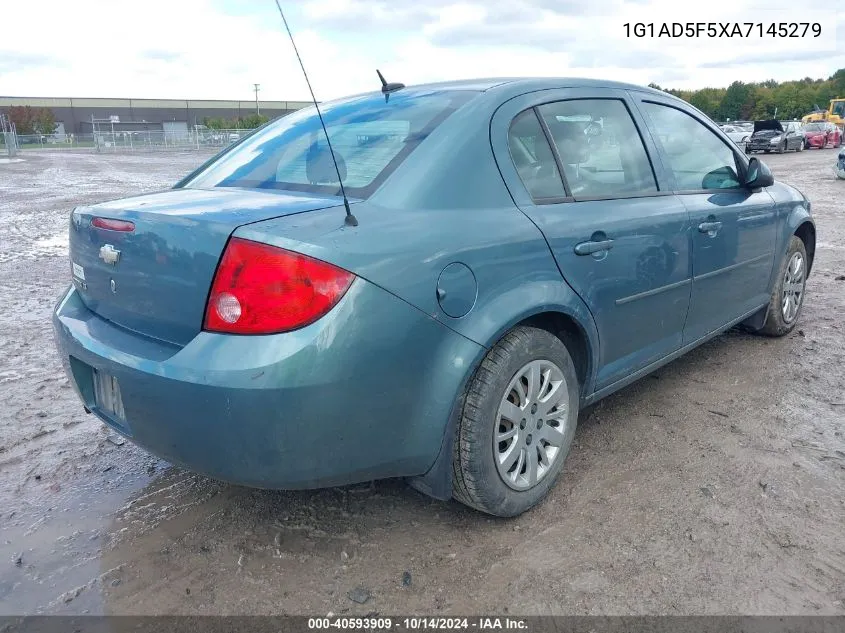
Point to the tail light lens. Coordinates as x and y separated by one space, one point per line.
262 289
109 224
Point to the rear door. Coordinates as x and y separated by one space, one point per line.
734 228
619 236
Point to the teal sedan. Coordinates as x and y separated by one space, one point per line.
512 251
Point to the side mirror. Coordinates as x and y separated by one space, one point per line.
758 174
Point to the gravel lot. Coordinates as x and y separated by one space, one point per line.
713 486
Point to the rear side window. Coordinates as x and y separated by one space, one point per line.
533 158
697 158
600 148
370 138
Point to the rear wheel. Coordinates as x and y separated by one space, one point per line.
517 424
788 293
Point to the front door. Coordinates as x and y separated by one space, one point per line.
733 227
620 240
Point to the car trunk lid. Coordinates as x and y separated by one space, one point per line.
154 279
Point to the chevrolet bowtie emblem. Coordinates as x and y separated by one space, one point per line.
109 254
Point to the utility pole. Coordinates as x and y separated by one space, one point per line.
257 88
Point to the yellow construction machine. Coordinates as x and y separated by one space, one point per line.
834 114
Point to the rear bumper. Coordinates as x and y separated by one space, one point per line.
364 393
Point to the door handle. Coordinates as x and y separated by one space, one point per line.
709 227
588 248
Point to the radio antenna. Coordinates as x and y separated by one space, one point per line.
351 220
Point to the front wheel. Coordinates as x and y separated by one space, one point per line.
781 148
517 424
788 294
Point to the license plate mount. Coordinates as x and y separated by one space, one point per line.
107 396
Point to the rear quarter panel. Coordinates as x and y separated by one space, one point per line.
404 252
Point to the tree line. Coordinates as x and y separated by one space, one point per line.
764 100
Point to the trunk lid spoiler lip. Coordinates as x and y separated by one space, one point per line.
204 204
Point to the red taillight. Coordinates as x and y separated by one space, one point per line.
110 224
262 289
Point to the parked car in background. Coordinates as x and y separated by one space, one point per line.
776 136
821 134
493 270
737 134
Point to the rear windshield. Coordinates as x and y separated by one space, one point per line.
370 138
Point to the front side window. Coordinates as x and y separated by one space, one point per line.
370 138
600 149
697 158
533 158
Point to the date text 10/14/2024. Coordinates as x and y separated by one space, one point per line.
417 623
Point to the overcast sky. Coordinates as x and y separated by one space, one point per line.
216 49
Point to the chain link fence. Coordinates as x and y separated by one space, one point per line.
8 138
132 141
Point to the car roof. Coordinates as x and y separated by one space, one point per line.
542 82
512 86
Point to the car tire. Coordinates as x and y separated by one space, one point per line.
801 147
788 294
501 387
781 148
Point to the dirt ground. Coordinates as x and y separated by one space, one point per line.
712 487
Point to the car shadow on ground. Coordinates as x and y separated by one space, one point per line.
322 543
